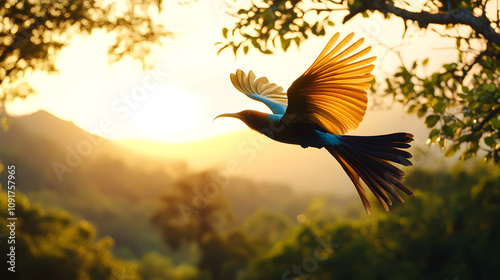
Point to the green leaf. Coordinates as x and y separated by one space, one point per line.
224 32
245 49
464 138
434 134
452 149
468 153
441 143
255 43
448 131
490 141
314 29
412 108
285 43
267 52
495 122
432 120
425 61
331 23
451 66
421 112
297 41
440 106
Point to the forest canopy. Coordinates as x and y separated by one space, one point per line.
448 230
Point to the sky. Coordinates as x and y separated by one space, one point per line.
188 84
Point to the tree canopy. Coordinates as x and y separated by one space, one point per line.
194 212
447 231
32 31
55 245
460 101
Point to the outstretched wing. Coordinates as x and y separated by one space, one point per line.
332 92
261 89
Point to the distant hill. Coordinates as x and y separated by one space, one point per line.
53 144
44 124
260 158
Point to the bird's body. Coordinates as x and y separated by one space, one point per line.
273 126
303 135
319 107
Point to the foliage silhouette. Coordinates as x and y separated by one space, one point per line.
32 32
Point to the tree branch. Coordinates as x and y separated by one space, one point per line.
488 117
459 16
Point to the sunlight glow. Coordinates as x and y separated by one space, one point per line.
169 115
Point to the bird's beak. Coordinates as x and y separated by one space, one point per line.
230 115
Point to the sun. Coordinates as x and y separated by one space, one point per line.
168 114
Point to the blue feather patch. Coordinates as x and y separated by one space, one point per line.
276 107
329 139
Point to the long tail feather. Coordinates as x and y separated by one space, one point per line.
369 158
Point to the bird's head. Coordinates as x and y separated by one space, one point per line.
254 119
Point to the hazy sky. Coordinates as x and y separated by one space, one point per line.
188 84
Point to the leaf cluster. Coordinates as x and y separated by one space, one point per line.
31 33
276 23
188 215
461 103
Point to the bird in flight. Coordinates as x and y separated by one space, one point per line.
320 106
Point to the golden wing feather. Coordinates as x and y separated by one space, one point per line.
332 91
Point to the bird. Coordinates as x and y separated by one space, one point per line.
326 101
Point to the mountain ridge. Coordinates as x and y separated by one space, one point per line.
257 157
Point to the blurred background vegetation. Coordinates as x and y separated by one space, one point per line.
125 216
120 217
